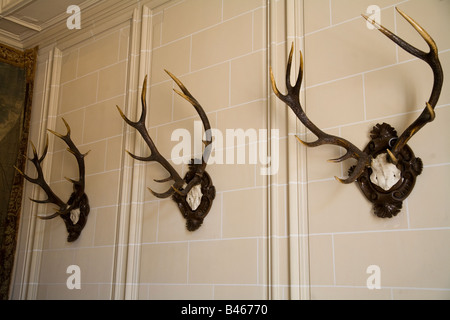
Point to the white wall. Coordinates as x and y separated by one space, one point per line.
295 234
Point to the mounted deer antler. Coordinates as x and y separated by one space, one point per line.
75 211
386 184
193 194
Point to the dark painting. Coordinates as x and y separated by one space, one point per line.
16 88
12 95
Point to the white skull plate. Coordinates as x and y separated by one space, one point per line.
385 174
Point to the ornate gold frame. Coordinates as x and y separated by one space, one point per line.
27 60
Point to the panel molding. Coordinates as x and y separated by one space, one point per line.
289 24
133 186
29 270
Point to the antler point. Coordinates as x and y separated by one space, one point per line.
67 126
56 133
20 171
392 156
177 191
339 179
70 180
274 85
301 141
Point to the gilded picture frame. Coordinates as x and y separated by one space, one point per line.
17 70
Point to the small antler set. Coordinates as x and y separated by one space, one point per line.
194 193
75 211
386 169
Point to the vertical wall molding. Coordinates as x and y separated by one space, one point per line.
133 186
123 255
289 24
297 191
274 115
30 268
127 260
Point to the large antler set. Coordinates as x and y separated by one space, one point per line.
386 169
75 211
194 193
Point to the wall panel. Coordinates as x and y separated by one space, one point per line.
293 234
389 86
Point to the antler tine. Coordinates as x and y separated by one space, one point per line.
77 154
141 122
163 195
402 43
36 160
296 88
54 215
44 152
40 181
292 99
202 114
293 91
432 59
207 152
140 126
154 153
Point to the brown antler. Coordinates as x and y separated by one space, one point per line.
178 184
155 155
432 59
292 99
208 142
78 186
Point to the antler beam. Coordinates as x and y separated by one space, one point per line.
432 59
154 155
78 199
292 99
208 142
